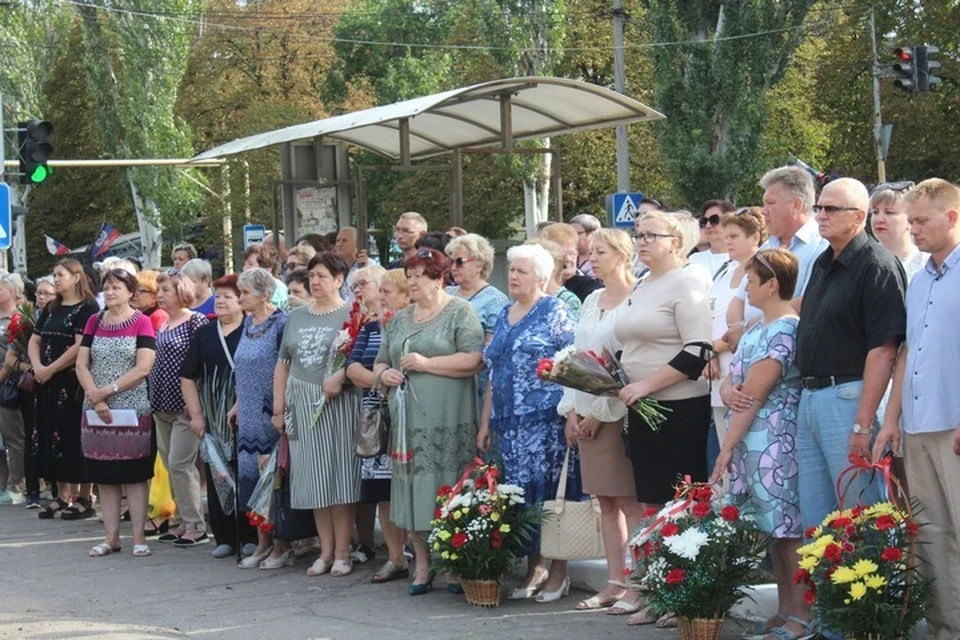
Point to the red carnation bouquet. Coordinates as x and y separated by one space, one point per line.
600 375
20 328
695 557
341 349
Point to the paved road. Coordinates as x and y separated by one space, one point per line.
50 589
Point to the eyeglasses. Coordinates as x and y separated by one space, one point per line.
359 284
896 187
830 209
647 236
713 221
295 265
172 271
425 254
459 262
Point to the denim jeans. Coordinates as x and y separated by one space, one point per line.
823 446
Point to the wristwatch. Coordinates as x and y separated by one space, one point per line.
116 389
860 431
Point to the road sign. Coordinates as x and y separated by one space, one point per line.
6 219
622 208
253 234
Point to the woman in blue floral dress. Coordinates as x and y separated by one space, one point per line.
521 410
760 446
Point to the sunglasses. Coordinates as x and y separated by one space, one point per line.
425 254
459 262
896 187
713 221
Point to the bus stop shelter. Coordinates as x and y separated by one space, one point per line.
489 117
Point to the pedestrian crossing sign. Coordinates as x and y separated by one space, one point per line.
622 208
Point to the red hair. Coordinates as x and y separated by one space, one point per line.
435 265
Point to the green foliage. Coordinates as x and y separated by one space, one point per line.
31 34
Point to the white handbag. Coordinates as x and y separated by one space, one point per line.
571 530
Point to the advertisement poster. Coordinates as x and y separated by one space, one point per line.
316 210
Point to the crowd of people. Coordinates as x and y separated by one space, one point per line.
779 337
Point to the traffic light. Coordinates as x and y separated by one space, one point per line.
926 78
905 68
33 150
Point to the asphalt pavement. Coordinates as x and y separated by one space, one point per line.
50 589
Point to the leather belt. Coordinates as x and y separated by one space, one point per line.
815 383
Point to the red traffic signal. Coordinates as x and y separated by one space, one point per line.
905 69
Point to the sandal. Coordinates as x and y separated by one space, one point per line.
319 567
389 572
74 512
156 529
667 621
103 549
341 568
50 512
785 634
641 617
762 628
598 601
141 551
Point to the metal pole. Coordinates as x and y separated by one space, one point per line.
246 192
456 184
620 84
877 114
3 151
228 220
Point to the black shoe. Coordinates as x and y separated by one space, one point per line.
33 501
184 542
168 537
156 530
362 553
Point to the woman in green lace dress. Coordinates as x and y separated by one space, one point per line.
433 349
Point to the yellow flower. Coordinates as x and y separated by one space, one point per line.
865 567
858 590
454 556
843 575
809 563
444 535
445 555
829 518
875 581
436 546
456 515
504 528
495 516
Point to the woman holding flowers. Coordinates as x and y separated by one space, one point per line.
254 362
433 349
594 423
520 408
369 285
665 333
312 407
760 444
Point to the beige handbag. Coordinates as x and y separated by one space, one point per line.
571 530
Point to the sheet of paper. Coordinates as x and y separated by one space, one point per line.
119 418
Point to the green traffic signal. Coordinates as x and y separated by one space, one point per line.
33 150
40 173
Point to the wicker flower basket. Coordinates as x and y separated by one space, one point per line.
700 628
482 593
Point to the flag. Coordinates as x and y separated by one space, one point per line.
105 237
56 248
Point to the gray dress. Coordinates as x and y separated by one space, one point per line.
324 470
441 412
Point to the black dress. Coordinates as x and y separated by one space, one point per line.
56 450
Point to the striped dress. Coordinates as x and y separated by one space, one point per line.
324 470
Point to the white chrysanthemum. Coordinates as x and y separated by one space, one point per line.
687 544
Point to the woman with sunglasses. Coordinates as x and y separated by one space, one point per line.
888 221
116 355
471 258
759 448
713 256
433 348
146 299
53 351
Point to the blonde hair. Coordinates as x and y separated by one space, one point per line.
396 277
183 286
416 218
673 223
560 232
302 252
148 280
942 194
621 244
372 272
477 247
556 252
689 230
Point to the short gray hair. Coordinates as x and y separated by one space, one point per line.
588 222
259 281
198 270
796 180
543 264
14 282
477 247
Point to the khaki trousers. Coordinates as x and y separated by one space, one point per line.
933 475
11 461
178 449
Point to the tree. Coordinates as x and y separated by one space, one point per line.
135 59
712 86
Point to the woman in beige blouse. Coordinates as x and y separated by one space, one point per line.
666 336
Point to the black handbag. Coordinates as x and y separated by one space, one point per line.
290 524
9 392
372 433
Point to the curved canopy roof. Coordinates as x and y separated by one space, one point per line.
465 117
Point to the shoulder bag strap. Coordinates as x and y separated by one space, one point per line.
562 487
223 343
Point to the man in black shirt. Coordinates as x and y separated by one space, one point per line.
852 322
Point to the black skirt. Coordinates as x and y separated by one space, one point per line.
679 448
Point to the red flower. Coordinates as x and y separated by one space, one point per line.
885 522
444 491
627 572
649 513
669 529
730 513
833 552
891 554
437 513
829 572
481 483
857 511
675 576
840 523
802 576
458 540
809 596
701 509
703 494
851 530
912 529
485 509
544 368
495 540
13 328
809 532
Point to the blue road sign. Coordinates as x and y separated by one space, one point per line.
622 208
6 219
253 234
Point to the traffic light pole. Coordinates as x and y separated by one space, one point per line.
877 113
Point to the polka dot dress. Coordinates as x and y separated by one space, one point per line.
164 381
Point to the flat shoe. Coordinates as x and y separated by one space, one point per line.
285 559
596 602
761 629
319 567
222 551
641 617
103 549
341 568
185 542
530 591
389 572
141 551
253 560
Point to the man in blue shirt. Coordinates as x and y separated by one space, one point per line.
925 394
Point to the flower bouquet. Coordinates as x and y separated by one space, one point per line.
600 375
341 348
20 328
260 504
694 558
860 570
480 528
216 447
